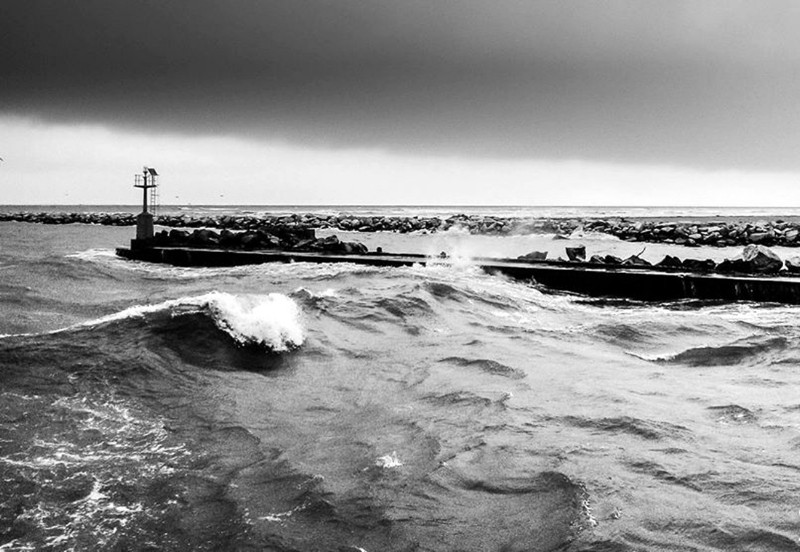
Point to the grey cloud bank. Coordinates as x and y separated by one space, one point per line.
700 84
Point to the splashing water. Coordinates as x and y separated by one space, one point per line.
389 461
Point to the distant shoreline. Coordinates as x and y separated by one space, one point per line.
676 214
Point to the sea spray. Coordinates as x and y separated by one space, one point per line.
389 461
272 321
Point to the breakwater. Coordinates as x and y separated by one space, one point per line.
636 282
754 259
278 238
690 234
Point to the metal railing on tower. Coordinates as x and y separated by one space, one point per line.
154 205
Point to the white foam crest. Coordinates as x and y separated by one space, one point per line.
281 517
389 461
473 279
272 320
94 255
110 258
298 270
652 357
305 292
17 546
139 311
460 250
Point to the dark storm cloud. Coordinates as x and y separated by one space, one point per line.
703 83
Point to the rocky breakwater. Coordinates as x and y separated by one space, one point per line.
719 234
469 223
690 234
274 238
107 219
753 260
474 224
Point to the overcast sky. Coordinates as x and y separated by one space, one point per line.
402 101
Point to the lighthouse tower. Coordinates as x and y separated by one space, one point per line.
144 221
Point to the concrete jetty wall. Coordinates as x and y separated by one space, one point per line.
642 283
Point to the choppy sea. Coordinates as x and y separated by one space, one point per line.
346 408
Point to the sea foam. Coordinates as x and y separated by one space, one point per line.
272 321
389 461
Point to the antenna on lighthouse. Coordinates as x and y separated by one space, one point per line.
144 221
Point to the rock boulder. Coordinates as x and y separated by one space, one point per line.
793 265
754 259
577 253
670 261
533 256
635 260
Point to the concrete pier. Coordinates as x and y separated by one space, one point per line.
642 283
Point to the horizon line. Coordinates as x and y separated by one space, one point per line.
416 205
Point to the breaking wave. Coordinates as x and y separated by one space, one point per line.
726 355
271 321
